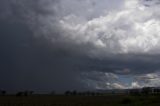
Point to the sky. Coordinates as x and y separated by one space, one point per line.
61 45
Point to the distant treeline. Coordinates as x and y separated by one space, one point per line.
86 93
144 90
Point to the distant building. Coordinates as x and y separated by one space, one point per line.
151 90
156 90
145 90
136 91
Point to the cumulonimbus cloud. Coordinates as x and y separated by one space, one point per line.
131 28
123 38
134 29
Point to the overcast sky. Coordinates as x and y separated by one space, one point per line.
63 45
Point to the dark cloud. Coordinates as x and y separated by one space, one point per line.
45 46
31 63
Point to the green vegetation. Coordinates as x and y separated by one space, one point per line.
108 100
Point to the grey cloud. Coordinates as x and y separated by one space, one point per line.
48 44
149 79
101 80
31 63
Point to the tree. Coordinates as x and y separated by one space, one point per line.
93 94
67 93
53 93
19 94
88 93
146 90
31 92
3 92
74 92
25 93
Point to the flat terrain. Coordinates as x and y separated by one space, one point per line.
109 100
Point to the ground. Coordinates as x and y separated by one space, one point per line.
108 100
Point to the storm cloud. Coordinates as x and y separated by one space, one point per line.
79 44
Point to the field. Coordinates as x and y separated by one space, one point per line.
109 100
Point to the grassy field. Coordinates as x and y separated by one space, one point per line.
109 100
